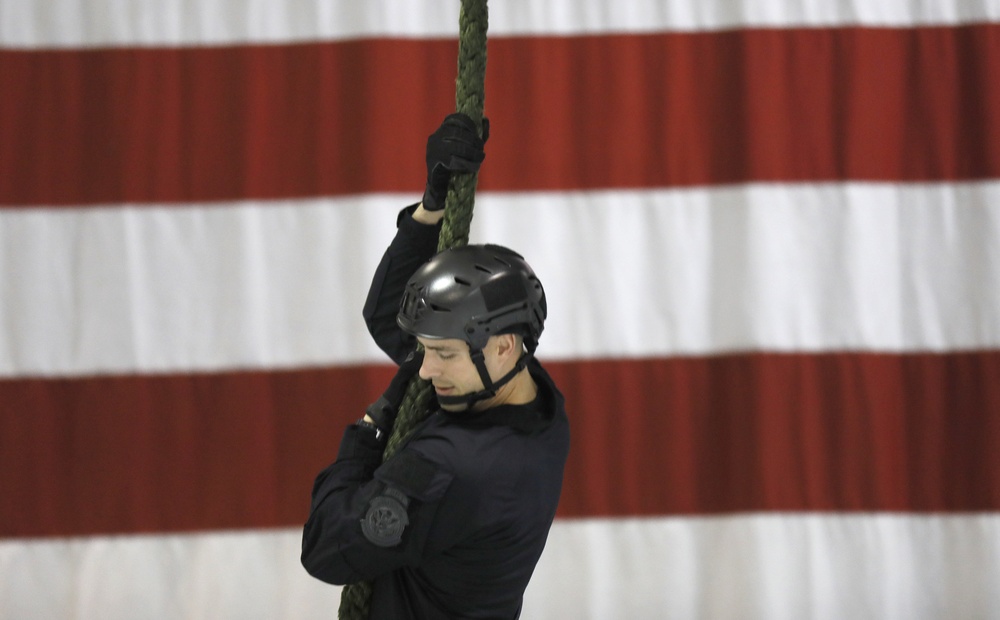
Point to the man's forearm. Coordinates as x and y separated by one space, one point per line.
415 242
424 216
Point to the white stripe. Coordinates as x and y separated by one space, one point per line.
180 288
246 575
627 273
771 567
87 23
756 566
896 268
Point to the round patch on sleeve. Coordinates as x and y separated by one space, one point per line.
386 518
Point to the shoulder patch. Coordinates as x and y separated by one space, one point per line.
414 475
386 518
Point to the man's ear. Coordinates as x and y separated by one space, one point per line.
506 345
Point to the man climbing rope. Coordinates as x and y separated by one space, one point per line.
453 523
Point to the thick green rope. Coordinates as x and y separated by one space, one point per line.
470 93
473 20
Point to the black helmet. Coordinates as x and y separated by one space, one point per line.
474 292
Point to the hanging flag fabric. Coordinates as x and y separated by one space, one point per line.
768 233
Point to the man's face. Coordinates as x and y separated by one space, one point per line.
448 365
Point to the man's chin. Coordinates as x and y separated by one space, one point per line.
455 407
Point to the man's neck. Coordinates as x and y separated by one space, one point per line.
520 390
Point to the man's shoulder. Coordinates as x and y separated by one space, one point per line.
463 451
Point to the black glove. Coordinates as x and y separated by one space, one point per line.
383 411
454 147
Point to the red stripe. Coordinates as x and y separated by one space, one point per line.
202 124
764 432
163 453
792 432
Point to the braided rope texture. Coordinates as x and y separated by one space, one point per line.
473 21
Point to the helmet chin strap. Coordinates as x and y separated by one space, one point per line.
491 387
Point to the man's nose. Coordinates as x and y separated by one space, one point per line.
427 370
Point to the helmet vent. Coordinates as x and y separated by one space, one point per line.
462 281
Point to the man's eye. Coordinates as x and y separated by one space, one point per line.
446 356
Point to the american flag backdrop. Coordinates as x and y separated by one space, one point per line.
769 232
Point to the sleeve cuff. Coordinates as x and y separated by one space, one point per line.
423 236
